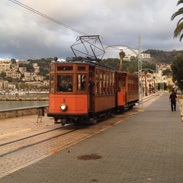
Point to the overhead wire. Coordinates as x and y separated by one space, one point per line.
47 17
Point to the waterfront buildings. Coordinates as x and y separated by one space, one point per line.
13 71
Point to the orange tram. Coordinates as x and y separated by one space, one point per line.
83 90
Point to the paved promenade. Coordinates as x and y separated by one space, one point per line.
145 148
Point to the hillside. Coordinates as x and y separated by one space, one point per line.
160 56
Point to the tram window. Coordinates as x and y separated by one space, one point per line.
112 83
104 84
100 84
81 68
51 83
81 82
100 87
104 87
96 87
107 83
65 83
96 82
65 68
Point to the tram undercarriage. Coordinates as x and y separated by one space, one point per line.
90 118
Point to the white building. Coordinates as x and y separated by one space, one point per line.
145 55
36 68
28 76
5 65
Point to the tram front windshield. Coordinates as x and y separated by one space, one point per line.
65 83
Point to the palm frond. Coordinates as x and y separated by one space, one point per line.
178 30
181 37
179 2
181 20
179 12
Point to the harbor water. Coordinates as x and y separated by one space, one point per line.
9 105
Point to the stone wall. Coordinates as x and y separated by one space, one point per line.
23 112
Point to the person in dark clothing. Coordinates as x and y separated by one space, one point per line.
65 86
172 99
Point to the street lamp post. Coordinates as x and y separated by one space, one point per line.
140 92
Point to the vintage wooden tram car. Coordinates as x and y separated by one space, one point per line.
82 90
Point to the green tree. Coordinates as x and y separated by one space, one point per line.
147 65
47 77
13 61
43 71
167 72
3 74
177 70
131 66
113 63
9 79
128 66
28 66
179 28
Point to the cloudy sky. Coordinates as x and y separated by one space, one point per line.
26 35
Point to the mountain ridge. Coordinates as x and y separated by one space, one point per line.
160 56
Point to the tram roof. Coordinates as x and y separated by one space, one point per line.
83 60
90 61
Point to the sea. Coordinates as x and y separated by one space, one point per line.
10 105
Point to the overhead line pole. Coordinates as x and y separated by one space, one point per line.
140 92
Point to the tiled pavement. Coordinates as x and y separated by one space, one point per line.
144 148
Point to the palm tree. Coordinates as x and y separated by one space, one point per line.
178 30
121 56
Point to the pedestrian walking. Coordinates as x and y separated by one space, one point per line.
172 99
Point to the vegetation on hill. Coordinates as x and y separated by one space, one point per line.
157 57
160 56
43 63
128 66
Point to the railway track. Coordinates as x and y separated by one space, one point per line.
27 150
32 140
27 137
24 151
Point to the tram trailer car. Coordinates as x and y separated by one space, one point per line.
127 90
83 91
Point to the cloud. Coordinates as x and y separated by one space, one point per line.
25 34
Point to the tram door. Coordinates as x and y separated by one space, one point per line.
125 86
121 87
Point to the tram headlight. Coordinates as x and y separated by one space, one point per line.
63 107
